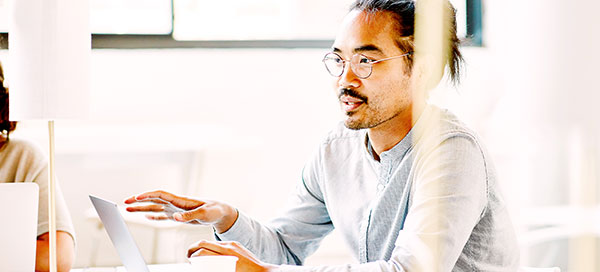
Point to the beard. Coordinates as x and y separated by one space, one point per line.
357 124
370 118
353 124
370 114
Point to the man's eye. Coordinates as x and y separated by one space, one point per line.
365 61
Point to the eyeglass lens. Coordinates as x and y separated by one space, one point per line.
360 65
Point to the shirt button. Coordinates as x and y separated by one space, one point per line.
380 187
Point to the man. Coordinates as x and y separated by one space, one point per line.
22 161
408 185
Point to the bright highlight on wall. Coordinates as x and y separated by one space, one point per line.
257 20
131 16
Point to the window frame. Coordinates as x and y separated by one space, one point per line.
474 37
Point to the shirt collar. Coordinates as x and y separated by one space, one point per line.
400 149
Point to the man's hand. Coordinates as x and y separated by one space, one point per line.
182 209
247 262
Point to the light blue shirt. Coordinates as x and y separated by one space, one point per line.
431 203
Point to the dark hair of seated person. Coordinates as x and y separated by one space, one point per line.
6 126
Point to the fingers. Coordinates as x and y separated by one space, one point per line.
203 252
179 217
162 197
130 200
189 218
198 214
219 248
194 248
157 217
246 260
185 210
155 196
146 208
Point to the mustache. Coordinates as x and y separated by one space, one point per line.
352 93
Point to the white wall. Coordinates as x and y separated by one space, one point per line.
233 125
544 126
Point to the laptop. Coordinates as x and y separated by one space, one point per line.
18 229
123 241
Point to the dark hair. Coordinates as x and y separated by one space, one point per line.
5 126
404 13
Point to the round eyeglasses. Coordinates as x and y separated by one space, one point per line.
360 64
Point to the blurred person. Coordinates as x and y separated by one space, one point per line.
22 161
407 184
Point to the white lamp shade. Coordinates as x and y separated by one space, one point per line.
49 59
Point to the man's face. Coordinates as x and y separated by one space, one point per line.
385 95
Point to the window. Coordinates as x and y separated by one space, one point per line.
227 24
4 12
257 19
131 17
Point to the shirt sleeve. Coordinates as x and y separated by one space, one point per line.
290 238
37 167
63 217
449 198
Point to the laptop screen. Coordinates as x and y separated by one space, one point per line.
119 235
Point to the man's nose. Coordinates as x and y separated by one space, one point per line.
348 78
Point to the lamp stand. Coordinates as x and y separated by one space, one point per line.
51 200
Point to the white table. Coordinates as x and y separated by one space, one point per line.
179 267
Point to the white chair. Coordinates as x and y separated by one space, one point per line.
553 223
